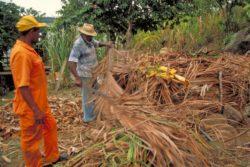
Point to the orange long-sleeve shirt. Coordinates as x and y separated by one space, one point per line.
28 70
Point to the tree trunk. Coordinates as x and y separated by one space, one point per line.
129 34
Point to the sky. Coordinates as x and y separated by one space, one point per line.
49 7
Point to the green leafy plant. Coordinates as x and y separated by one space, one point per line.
58 45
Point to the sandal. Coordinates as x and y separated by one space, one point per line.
62 157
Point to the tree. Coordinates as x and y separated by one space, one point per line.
9 14
31 11
117 17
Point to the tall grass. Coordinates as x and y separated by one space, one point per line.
196 32
192 33
58 45
241 16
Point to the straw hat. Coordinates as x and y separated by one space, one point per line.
28 22
87 29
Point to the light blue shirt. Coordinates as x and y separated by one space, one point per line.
84 54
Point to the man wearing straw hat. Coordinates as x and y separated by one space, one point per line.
82 61
31 102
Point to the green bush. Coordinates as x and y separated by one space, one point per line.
192 31
241 16
190 34
148 41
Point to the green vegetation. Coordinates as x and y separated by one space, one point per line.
191 34
116 17
9 15
195 32
7 25
146 26
58 46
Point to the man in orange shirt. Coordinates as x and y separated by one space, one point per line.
30 102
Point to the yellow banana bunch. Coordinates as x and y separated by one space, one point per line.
166 73
161 71
163 68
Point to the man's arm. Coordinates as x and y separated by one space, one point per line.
72 68
103 44
72 62
28 98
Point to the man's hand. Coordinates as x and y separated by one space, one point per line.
106 44
39 117
72 67
28 98
78 82
110 44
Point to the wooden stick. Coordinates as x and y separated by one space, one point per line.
221 87
206 134
221 91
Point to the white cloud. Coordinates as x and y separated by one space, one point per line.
45 6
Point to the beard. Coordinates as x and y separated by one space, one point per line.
35 41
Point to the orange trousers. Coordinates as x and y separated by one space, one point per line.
31 139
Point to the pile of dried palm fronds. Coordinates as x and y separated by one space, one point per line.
152 121
165 114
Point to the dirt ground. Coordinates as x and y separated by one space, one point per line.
10 152
62 103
